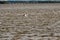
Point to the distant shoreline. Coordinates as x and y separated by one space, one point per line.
3 2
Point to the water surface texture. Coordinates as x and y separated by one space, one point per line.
30 21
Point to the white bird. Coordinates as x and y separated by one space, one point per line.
25 15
